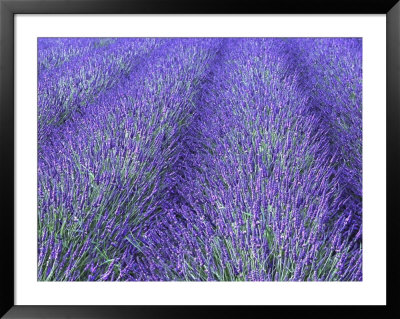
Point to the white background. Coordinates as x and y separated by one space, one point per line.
372 28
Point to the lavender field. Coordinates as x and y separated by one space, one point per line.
199 159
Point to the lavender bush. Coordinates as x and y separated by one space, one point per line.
199 159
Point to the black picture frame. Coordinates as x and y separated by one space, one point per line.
8 8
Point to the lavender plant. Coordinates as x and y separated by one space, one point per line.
200 160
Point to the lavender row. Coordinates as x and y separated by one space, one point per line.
68 88
108 169
335 86
54 52
258 203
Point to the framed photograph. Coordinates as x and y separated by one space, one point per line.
166 159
